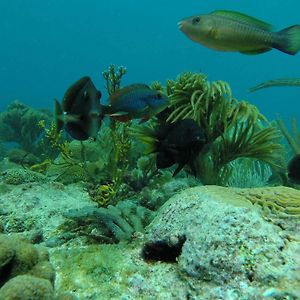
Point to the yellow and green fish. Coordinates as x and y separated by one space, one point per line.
233 31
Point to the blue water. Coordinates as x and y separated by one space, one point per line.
47 45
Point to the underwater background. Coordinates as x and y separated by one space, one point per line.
204 197
47 45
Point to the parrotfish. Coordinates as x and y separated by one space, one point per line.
80 112
233 31
136 101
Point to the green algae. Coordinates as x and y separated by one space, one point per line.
100 269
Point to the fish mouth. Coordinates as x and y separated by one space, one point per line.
180 24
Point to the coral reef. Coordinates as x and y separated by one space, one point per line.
278 200
223 239
212 242
26 287
233 128
20 124
25 270
228 250
22 157
80 161
111 224
36 208
18 176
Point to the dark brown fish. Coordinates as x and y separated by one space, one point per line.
80 112
294 169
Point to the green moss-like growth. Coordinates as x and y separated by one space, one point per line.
20 124
19 257
233 128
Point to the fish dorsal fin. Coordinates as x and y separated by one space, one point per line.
243 18
127 89
73 91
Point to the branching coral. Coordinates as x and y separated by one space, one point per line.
113 78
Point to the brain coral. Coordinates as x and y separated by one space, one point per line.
224 238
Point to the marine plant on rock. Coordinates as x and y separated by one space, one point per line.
119 143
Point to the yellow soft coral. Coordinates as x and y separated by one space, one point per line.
104 194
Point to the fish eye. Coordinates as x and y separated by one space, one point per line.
158 96
196 20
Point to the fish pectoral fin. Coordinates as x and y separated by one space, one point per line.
119 114
58 116
257 51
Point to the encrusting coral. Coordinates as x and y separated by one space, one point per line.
22 263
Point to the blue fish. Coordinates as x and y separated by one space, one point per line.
136 101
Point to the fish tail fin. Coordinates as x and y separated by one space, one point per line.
58 116
146 135
289 40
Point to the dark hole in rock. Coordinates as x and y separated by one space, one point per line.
5 273
162 251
